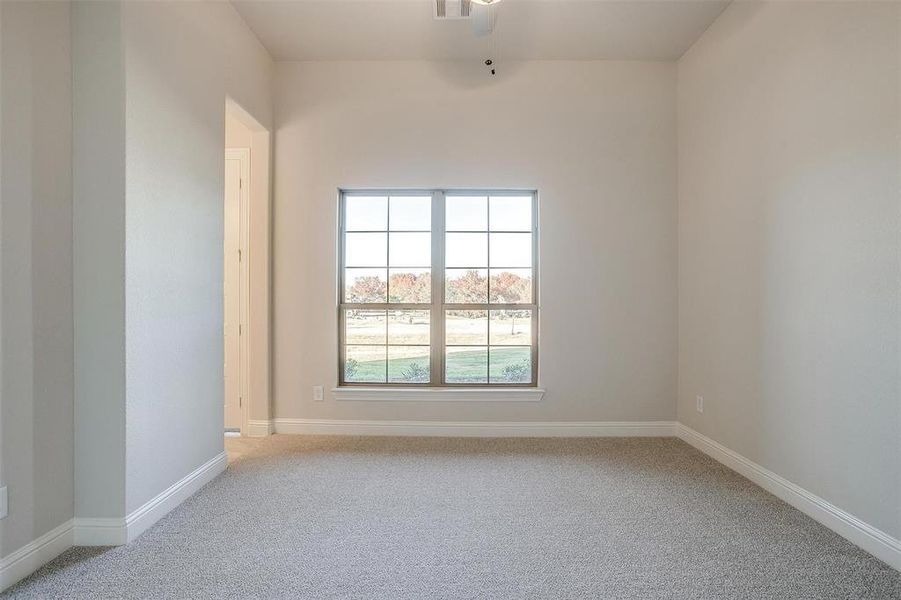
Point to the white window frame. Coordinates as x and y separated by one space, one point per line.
437 306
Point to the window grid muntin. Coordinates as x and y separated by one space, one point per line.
438 306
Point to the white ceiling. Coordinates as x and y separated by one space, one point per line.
526 29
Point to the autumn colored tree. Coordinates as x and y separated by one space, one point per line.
468 289
509 288
367 289
410 288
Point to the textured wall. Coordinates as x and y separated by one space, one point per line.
98 258
789 162
181 61
150 107
598 141
36 269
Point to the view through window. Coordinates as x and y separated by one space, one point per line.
438 288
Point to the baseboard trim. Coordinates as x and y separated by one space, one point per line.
477 429
158 507
100 532
259 428
116 532
32 556
873 540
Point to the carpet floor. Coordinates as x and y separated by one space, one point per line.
343 517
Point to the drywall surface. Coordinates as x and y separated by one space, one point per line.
36 269
237 135
98 110
181 61
596 139
789 166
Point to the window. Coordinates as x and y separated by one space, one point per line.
438 288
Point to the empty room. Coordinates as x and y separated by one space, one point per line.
450 299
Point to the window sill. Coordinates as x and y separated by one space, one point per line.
446 394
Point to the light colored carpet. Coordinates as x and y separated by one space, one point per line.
238 447
331 517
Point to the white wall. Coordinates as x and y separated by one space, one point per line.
789 166
237 135
98 256
167 68
597 139
181 61
36 269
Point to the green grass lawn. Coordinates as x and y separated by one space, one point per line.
465 366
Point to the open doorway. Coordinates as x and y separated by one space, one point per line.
234 285
245 282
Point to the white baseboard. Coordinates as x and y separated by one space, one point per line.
115 532
158 507
100 532
477 429
31 557
259 428
876 542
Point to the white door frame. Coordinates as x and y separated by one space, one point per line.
243 156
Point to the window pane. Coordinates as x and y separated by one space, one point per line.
411 213
510 286
511 213
366 250
466 286
364 364
510 328
466 365
410 286
365 285
510 365
487 266
466 327
410 249
466 250
409 327
365 213
466 213
408 364
511 250
364 326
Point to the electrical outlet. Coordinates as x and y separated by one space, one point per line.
317 393
4 503
700 403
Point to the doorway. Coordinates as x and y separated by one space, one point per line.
235 278
246 290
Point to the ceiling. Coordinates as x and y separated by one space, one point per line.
525 30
